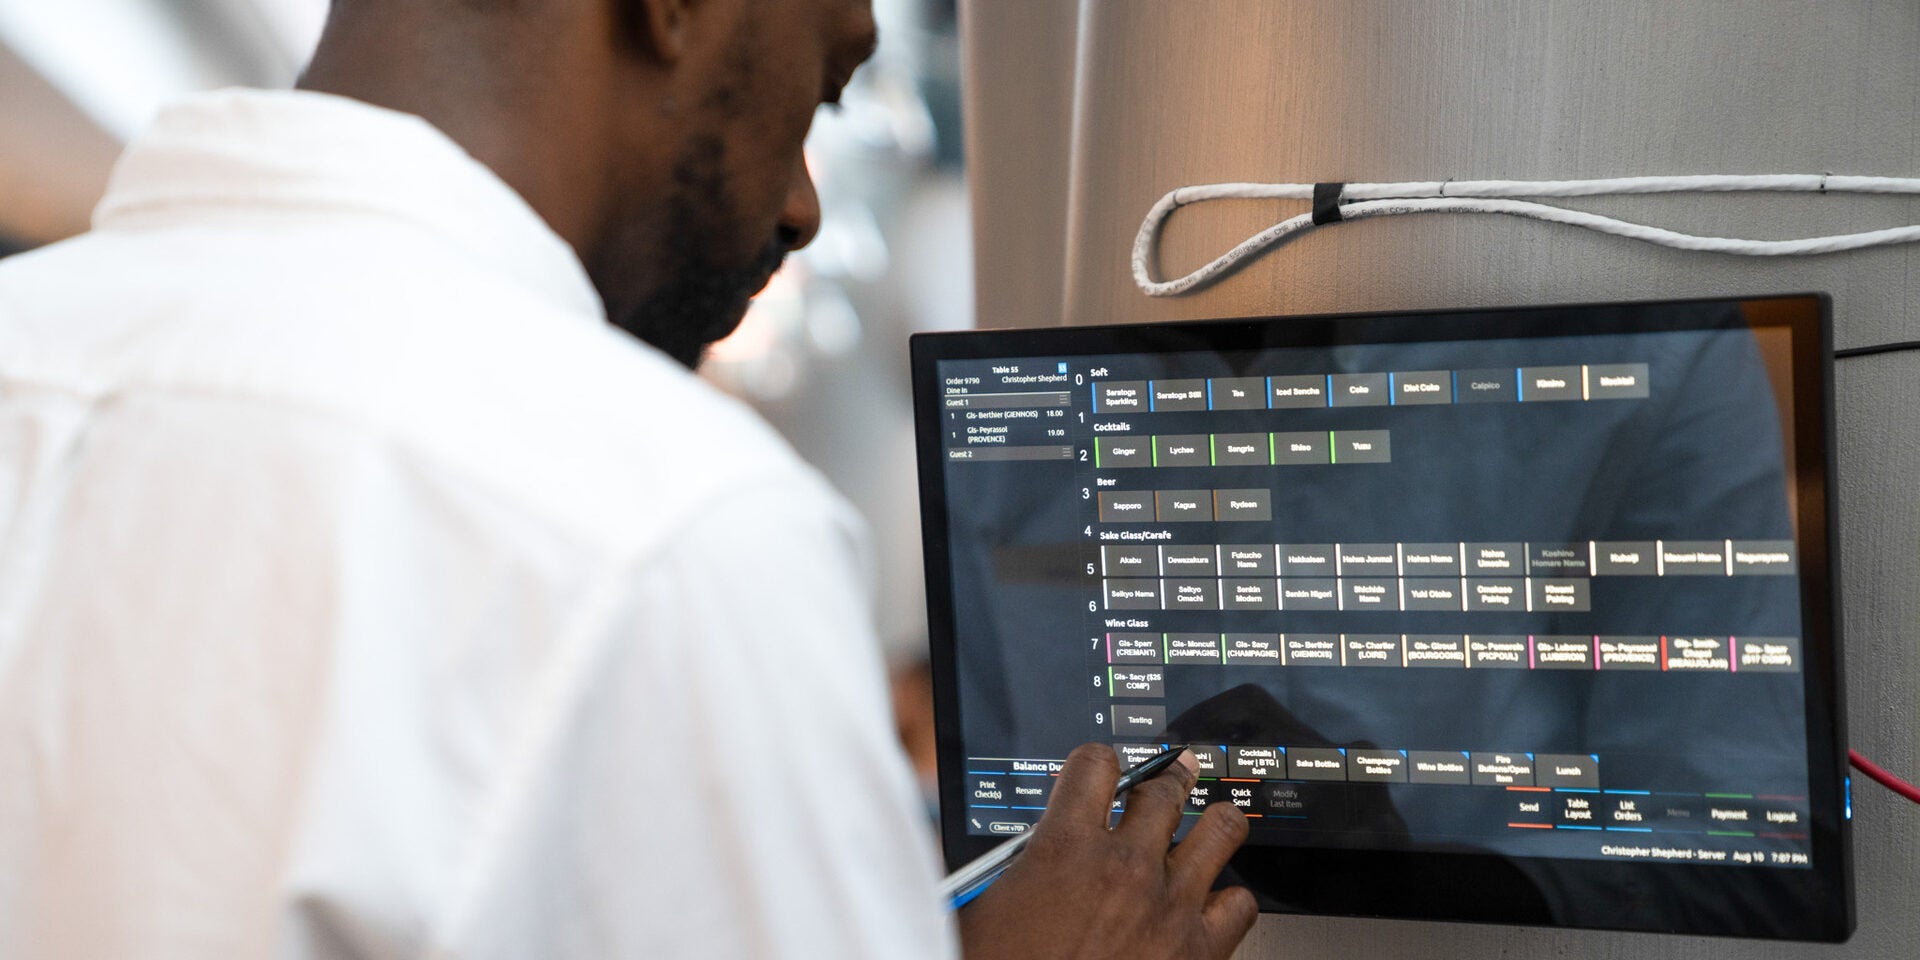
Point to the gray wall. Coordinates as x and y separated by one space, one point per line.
1082 115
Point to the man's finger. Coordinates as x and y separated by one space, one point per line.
1153 808
1227 917
1083 793
1199 858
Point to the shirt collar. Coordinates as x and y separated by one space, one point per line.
298 149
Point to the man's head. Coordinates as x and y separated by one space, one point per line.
662 138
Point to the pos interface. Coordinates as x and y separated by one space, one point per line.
1518 615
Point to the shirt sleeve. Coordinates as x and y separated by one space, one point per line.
725 780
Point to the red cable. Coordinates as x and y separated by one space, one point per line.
1885 777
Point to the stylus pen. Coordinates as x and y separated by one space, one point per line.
964 884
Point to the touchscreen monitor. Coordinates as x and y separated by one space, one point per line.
1512 615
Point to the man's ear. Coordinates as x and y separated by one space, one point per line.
659 27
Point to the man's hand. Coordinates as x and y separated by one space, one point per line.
1080 890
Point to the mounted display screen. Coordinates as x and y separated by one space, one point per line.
1518 615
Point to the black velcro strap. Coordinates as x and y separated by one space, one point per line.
1326 202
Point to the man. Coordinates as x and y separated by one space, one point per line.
365 592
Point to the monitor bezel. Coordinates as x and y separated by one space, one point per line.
1825 891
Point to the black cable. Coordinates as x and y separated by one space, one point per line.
1869 351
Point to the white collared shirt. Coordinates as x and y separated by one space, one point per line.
363 593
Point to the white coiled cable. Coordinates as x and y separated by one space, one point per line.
1358 201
